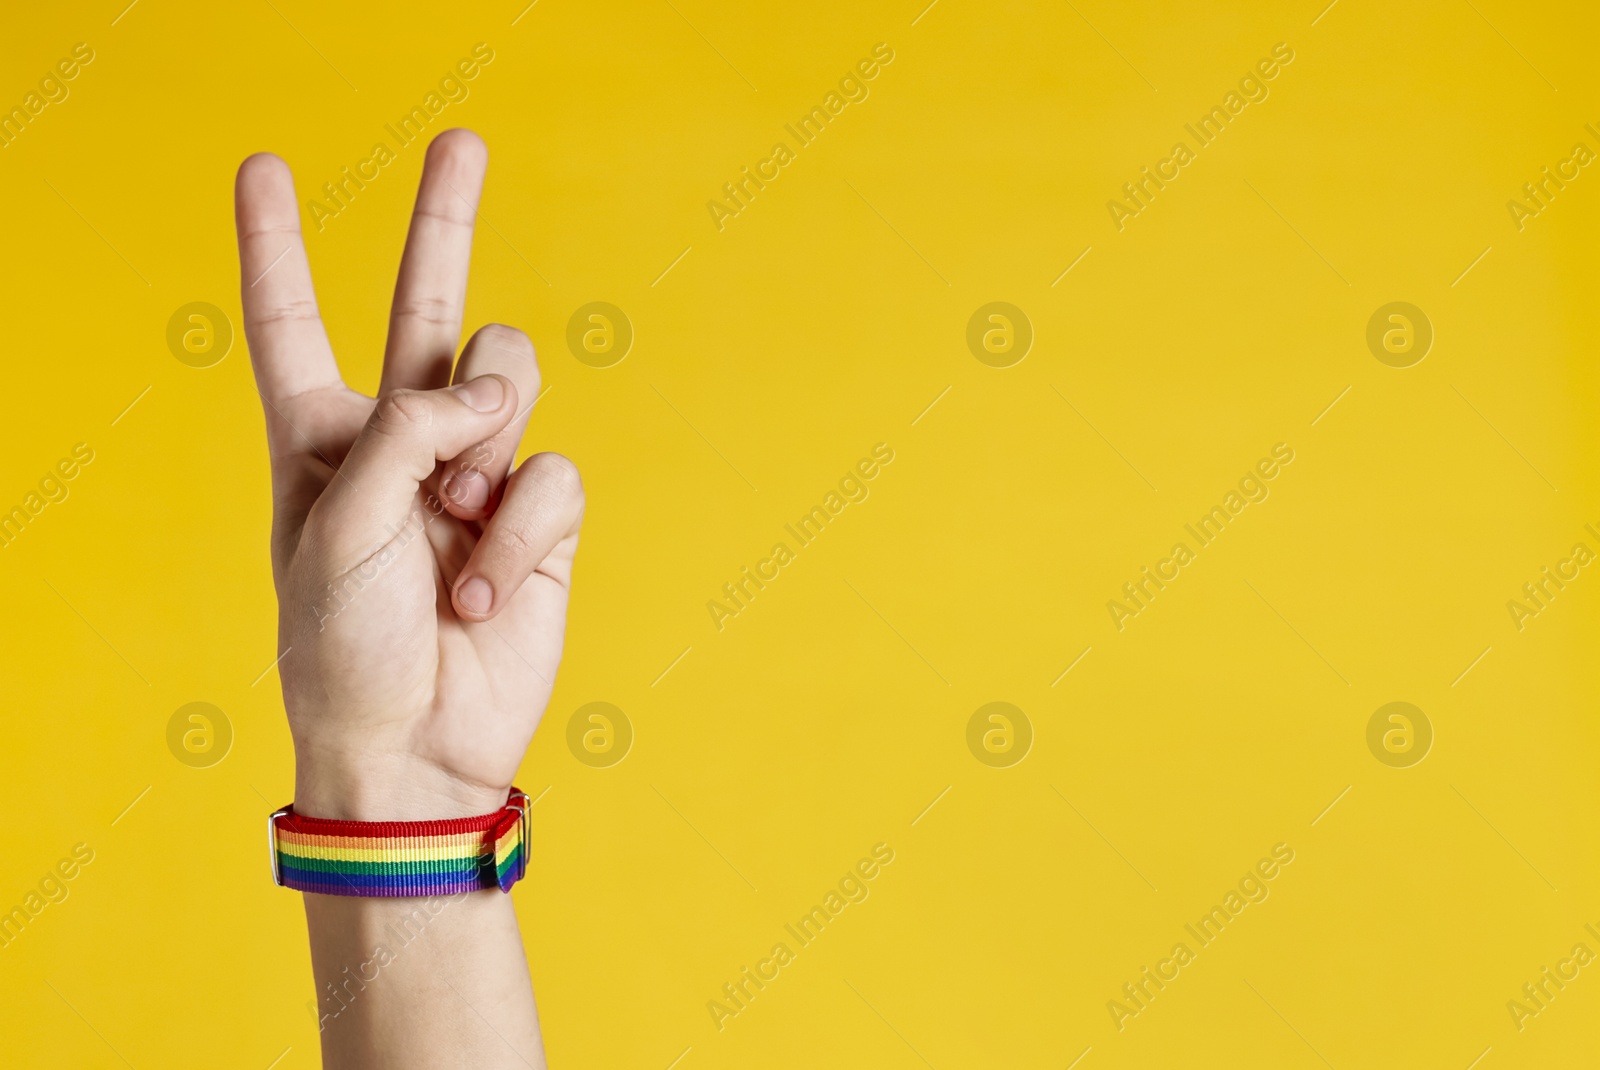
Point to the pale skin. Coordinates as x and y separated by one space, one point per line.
422 595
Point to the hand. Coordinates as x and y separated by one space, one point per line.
422 586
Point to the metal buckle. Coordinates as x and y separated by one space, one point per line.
272 845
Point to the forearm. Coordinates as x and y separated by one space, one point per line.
429 983
405 982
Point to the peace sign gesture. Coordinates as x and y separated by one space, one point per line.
422 585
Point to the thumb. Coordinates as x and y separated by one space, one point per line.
408 434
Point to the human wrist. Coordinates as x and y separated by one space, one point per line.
366 785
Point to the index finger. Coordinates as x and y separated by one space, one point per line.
288 347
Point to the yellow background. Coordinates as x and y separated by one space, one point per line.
824 719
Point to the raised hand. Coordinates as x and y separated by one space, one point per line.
422 585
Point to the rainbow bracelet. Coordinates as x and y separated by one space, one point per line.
400 858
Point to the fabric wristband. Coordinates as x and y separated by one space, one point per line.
400 858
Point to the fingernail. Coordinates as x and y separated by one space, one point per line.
484 393
476 594
466 490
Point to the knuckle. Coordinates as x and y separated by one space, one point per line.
426 308
518 542
400 411
507 339
510 352
558 474
289 310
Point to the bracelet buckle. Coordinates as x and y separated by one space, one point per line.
272 845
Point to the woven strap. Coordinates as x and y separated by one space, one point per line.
401 858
